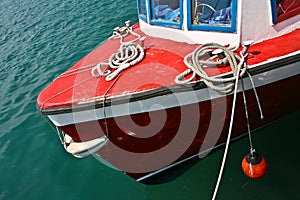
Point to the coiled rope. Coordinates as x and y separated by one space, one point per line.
196 65
128 54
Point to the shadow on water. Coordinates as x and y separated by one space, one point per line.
172 173
260 136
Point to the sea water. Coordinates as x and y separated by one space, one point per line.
41 39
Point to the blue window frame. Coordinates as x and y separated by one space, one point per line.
161 12
205 15
274 12
212 15
166 13
142 9
284 9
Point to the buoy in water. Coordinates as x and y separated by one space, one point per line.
254 165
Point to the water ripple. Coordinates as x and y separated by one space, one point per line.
2 149
38 41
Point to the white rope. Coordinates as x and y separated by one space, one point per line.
201 58
229 133
129 54
252 150
196 62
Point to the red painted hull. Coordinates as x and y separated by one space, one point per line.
277 99
142 142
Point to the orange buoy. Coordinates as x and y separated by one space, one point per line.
254 165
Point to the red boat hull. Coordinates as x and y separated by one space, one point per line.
150 121
140 144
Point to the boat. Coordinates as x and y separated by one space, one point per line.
172 86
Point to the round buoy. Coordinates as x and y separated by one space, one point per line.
254 165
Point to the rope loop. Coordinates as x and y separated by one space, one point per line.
202 57
97 71
130 53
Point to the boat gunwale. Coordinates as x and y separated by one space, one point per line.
165 90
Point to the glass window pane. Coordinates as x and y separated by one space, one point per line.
166 10
211 12
286 9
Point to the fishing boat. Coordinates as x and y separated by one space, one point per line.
174 85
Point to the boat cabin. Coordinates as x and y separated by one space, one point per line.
202 21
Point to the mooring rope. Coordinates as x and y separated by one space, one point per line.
229 132
196 65
129 54
247 118
203 57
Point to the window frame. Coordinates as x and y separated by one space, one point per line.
276 19
232 28
149 15
213 27
165 23
140 15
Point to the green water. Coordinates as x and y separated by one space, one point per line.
41 39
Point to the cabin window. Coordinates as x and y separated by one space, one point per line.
166 13
212 15
284 9
142 9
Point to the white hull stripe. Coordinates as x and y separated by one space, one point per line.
170 100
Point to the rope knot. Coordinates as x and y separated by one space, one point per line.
203 56
128 54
